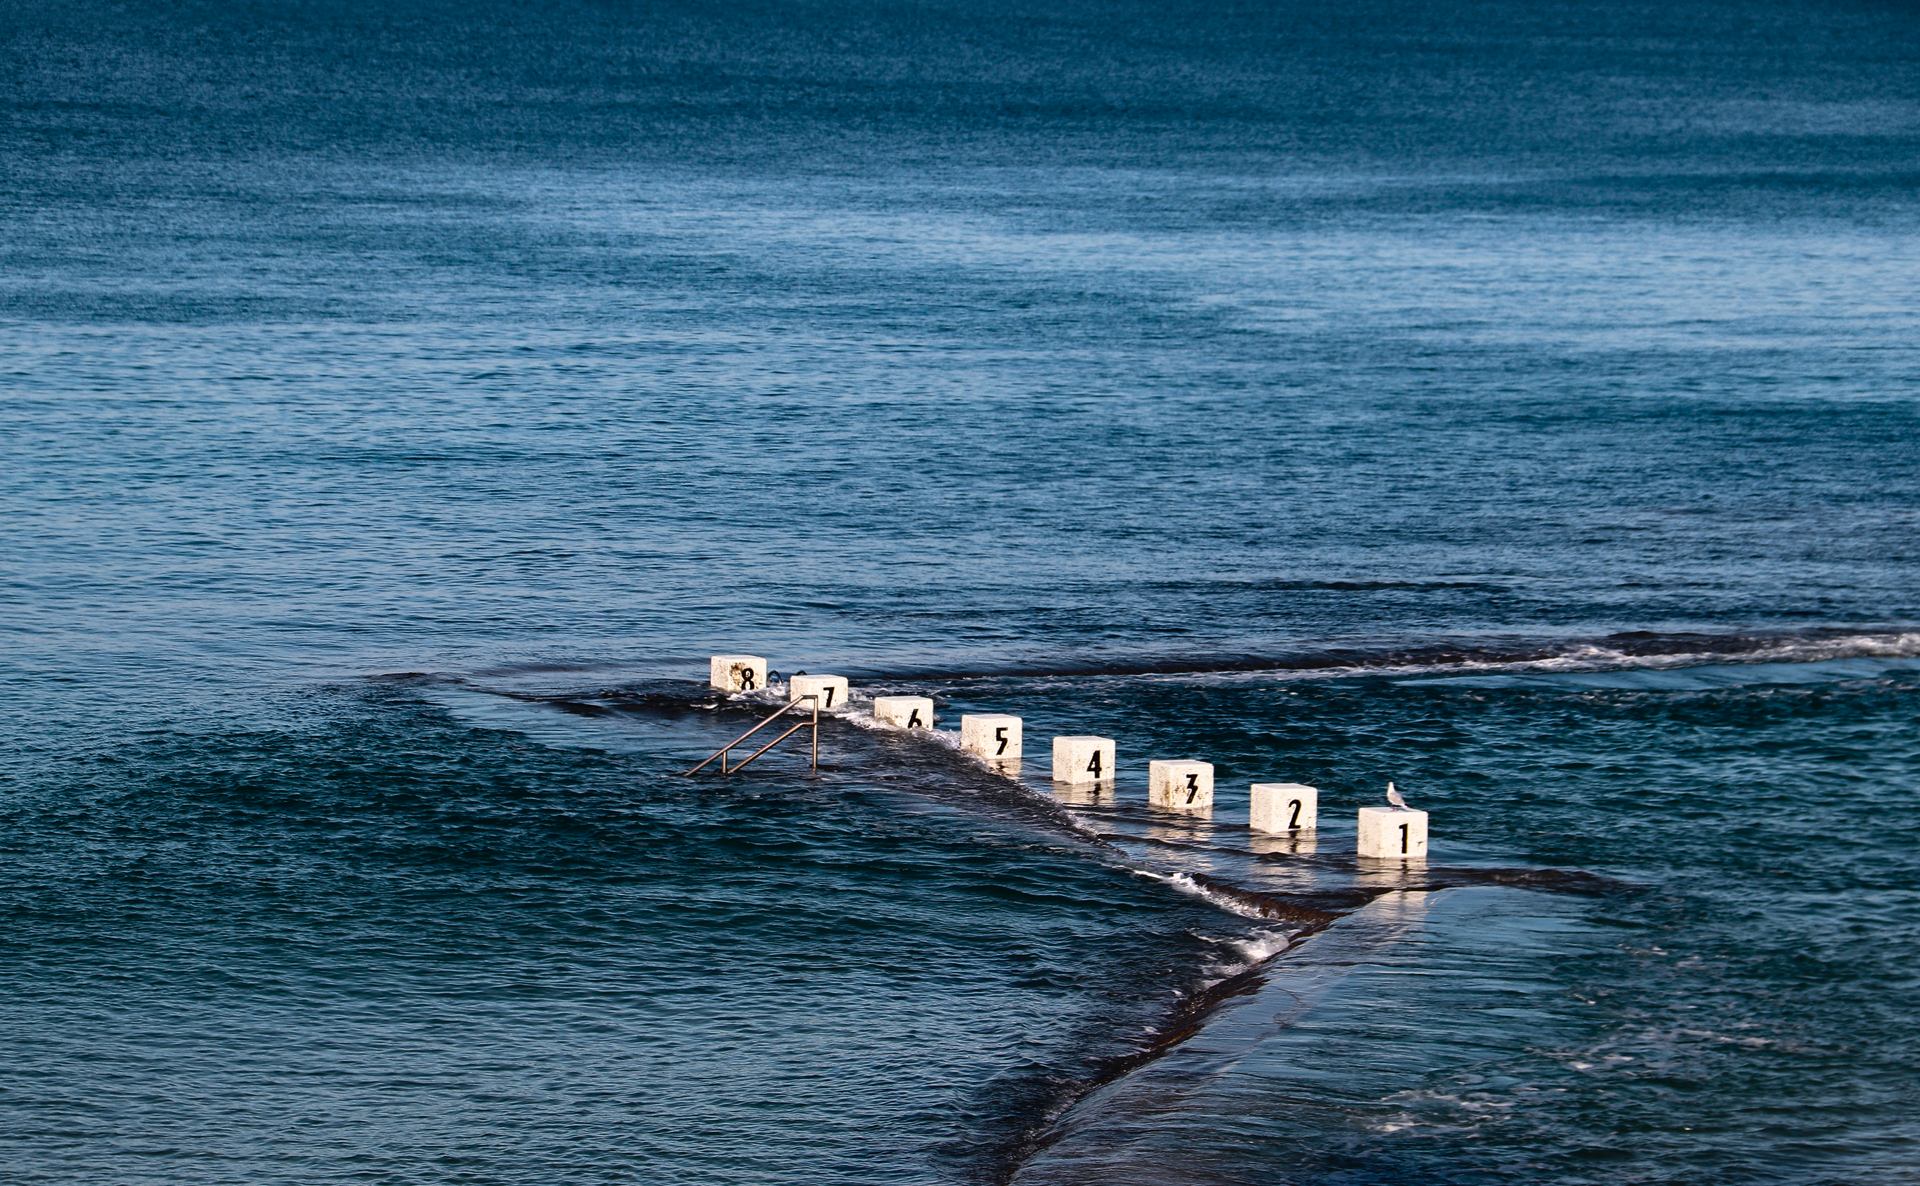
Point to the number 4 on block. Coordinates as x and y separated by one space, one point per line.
1083 759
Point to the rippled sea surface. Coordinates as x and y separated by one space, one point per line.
399 403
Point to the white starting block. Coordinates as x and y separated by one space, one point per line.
1082 759
737 673
831 690
904 712
1393 833
1283 807
1180 786
992 736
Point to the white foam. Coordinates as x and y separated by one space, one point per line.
1581 657
1590 657
1187 885
1261 946
772 695
863 718
1246 952
859 713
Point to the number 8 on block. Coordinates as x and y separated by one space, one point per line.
737 673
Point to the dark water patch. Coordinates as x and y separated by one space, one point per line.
1296 585
240 877
1181 1024
1576 882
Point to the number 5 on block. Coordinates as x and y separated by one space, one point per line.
992 736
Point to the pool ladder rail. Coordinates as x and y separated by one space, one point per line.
812 721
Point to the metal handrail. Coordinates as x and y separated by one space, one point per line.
769 719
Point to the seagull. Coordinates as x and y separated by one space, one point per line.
1396 798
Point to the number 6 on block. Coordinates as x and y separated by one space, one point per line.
904 712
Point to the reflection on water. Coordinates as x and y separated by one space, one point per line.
1304 843
1084 794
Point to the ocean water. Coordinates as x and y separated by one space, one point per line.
398 404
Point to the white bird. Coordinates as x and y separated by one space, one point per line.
1396 798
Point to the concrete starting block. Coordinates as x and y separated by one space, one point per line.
1392 833
831 690
904 712
1082 759
737 673
1282 807
993 736
1180 786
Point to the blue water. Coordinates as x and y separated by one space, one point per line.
399 402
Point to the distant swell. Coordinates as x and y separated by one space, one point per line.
1626 650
